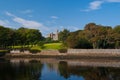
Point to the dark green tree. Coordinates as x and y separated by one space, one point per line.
63 35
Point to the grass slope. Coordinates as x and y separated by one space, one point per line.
46 46
53 46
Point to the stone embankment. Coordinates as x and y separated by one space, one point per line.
71 53
28 54
95 52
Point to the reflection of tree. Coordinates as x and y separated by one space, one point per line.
32 71
63 69
25 71
50 66
89 73
6 71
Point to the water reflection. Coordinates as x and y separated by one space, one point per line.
89 73
20 71
47 69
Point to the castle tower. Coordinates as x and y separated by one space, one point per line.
54 36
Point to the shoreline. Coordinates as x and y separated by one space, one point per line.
62 56
98 62
70 54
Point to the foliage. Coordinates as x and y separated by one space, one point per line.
62 50
6 36
29 36
36 47
4 51
41 44
94 36
35 51
72 41
22 36
117 45
117 29
63 35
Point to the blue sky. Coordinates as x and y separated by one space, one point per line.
50 15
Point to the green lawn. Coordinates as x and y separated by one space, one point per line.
46 46
36 48
17 47
49 46
53 46
3 51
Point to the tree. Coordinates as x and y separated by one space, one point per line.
74 40
97 35
90 26
117 45
6 35
29 36
117 29
63 35
41 44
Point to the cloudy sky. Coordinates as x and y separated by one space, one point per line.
50 15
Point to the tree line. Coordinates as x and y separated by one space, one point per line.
93 36
21 36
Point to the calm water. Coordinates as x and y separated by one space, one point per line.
51 69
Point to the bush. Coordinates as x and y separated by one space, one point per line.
3 52
41 44
62 50
34 51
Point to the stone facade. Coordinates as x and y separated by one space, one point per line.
53 36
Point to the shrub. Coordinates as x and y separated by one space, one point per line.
34 51
62 50
3 52
41 44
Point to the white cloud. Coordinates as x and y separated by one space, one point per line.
54 17
9 14
5 23
28 23
96 4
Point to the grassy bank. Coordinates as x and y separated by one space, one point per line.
53 46
36 48
3 52
46 46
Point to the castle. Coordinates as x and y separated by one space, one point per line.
53 36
